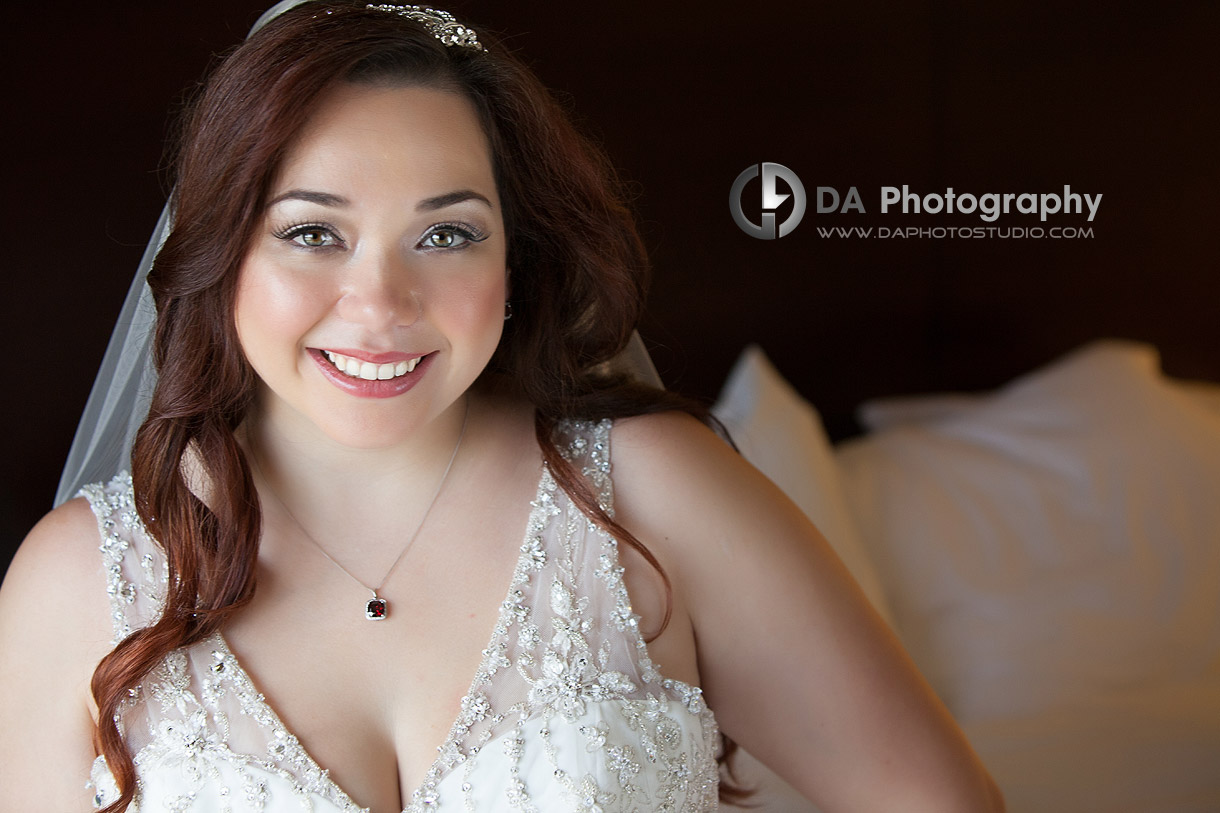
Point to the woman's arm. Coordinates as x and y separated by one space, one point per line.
799 668
54 628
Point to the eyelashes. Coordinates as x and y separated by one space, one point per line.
446 236
308 235
450 236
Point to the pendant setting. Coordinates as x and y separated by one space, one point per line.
377 609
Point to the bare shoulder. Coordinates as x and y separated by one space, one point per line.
54 628
642 432
721 529
665 444
59 557
53 603
683 485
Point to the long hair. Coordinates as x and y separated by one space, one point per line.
578 267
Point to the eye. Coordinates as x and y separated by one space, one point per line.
309 235
444 238
451 236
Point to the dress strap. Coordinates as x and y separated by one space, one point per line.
136 572
586 445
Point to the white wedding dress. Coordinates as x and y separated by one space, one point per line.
566 713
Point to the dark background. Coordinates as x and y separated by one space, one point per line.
1117 98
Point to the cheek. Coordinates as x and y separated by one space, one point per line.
475 310
271 314
489 312
488 306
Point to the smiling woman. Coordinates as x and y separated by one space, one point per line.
383 246
364 196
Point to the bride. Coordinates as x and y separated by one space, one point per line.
400 529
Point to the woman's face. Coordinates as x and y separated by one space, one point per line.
373 293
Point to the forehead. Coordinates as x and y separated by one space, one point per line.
418 138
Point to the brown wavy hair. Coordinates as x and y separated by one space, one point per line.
579 275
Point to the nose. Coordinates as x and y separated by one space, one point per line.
380 293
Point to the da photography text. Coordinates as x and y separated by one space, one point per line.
988 206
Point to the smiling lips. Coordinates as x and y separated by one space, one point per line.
368 370
384 375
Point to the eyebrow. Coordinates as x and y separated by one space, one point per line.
425 205
310 196
448 199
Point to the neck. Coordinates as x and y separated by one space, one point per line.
327 485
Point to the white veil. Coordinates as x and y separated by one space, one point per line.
123 387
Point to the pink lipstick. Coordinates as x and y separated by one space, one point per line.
366 387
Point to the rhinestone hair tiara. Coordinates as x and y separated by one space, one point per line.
440 24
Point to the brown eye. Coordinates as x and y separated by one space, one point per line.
312 238
443 238
309 235
451 237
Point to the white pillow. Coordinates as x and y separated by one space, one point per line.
782 435
1058 538
895 410
882 413
1204 393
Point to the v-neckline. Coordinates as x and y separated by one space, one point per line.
266 716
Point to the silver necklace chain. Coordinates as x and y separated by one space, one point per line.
377 607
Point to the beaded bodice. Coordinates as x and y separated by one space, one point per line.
567 712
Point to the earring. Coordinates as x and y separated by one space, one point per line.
508 311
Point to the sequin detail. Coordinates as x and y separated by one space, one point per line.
565 712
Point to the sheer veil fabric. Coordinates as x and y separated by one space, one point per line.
123 387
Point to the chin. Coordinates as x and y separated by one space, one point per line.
369 435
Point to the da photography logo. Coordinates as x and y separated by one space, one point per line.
771 200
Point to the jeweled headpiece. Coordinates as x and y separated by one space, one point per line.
441 24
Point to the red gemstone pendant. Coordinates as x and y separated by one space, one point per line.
376 609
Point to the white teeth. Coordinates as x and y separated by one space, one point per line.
369 371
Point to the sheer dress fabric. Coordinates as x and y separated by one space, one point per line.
566 713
